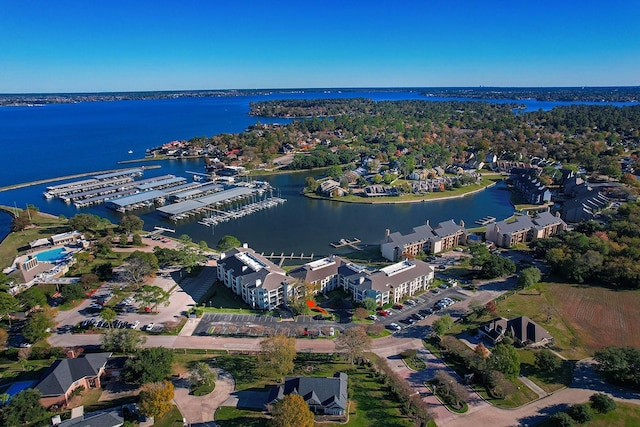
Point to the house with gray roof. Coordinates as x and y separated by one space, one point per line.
524 331
326 396
66 375
259 282
109 418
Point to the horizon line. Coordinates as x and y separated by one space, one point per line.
295 89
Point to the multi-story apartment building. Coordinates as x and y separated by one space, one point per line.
524 229
443 237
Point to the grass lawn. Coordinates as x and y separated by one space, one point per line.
219 297
227 416
173 418
581 319
415 363
520 396
549 382
625 415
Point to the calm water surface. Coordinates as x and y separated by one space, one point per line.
57 140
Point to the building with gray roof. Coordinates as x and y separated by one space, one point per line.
326 396
259 282
524 229
444 236
66 375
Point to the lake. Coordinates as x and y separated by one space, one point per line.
64 139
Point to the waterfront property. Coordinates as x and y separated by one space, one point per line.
326 396
524 229
70 238
387 285
259 282
525 181
445 236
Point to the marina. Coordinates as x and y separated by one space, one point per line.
98 181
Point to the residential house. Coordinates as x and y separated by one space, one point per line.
532 190
326 396
259 282
585 204
331 188
66 375
110 418
524 331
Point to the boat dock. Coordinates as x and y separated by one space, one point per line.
96 182
485 220
347 242
282 257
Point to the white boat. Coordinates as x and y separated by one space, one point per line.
130 151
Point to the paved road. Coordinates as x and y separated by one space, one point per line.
201 409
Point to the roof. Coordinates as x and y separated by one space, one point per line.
253 268
448 228
327 392
397 274
64 372
544 219
145 196
100 419
521 223
522 328
318 270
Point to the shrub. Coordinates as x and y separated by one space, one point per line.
581 413
561 419
602 403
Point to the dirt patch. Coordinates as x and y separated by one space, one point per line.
600 317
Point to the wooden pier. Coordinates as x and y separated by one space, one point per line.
485 220
282 257
352 243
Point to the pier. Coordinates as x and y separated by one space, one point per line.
282 257
485 220
346 242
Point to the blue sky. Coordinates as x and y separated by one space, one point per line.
114 45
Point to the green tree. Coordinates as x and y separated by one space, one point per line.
130 223
24 408
151 365
72 292
89 281
227 243
84 222
291 411
20 222
497 266
370 304
203 245
186 238
139 265
122 340
580 412
546 361
620 365
152 296
602 403
529 277
33 297
156 399
108 314
200 373
276 356
37 325
104 271
354 342
136 240
505 359
561 419
442 325
8 305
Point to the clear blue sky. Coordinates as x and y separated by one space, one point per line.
136 45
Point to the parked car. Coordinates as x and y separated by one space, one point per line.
135 324
418 316
372 317
149 326
394 326
398 306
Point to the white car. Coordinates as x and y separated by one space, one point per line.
395 326
149 326
135 324
372 317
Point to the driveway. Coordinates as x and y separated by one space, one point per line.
200 409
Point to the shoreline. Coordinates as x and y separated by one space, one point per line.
381 201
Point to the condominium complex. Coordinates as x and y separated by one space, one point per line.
443 237
524 229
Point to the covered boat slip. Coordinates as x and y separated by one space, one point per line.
115 190
97 181
137 201
187 208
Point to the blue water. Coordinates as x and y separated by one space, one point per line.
52 255
64 139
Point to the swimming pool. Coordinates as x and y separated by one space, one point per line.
52 255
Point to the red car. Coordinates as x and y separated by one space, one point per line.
383 313
398 306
